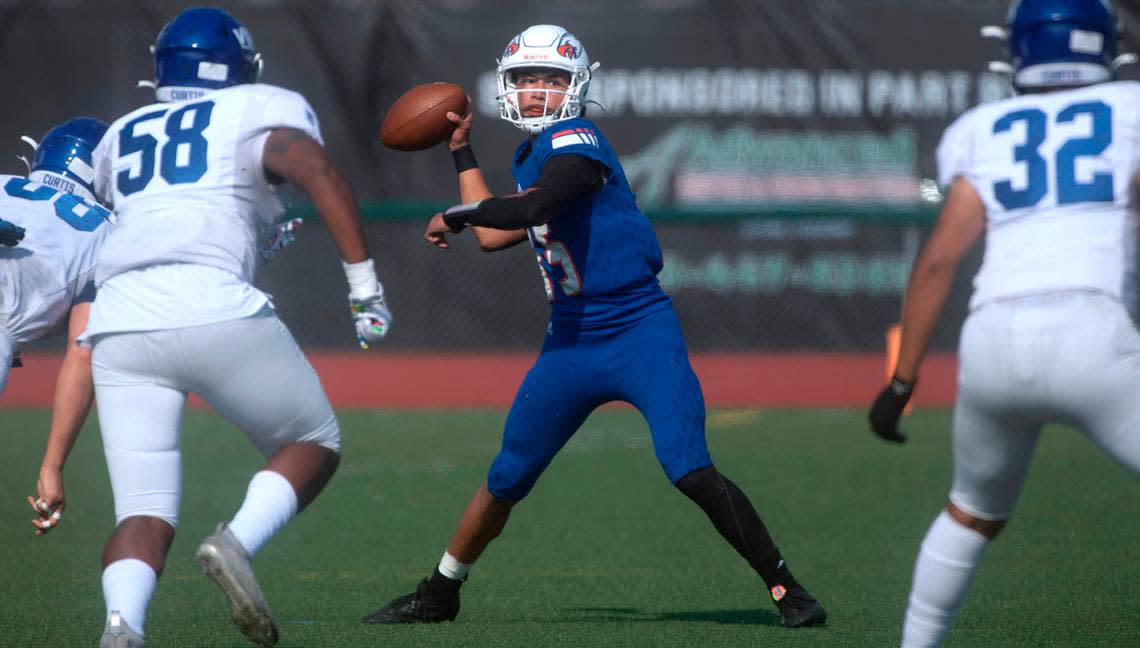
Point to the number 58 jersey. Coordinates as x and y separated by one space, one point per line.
1056 172
186 181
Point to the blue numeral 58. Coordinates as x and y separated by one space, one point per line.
180 137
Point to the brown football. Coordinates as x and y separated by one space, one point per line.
418 119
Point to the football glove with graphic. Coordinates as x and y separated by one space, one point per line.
277 238
10 234
888 408
371 316
370 312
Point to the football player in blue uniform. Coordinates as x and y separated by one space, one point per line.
613 335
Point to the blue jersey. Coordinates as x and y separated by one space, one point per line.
598 255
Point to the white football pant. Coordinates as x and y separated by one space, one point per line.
7 353
250 370
1071 357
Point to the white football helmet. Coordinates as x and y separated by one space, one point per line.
544 47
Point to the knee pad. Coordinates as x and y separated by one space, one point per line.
510 478
327 435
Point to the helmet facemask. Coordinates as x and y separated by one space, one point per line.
571 106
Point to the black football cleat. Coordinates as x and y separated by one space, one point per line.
432 602
797 608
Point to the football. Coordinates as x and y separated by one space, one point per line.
418 119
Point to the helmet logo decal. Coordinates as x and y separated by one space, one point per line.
567 47
512 47
243 38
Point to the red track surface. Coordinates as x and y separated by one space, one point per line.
463 380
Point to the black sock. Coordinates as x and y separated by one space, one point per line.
737 521
442 584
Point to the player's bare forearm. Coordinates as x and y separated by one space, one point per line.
73 396
925 294
493 240
473 186
960 223
302 161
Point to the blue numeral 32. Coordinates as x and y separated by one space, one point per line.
1100 189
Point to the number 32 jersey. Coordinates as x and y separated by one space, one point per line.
1056 172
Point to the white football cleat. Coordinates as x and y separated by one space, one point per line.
118 634
224 560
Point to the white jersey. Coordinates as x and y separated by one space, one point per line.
1056 172
54 266
191 199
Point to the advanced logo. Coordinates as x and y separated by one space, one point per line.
696 165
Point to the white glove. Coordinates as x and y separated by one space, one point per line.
370 312
277 238
372 318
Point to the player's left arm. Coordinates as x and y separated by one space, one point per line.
960 223
563 179
74 393
297 158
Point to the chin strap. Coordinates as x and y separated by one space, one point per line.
994 32
1128 58
30 142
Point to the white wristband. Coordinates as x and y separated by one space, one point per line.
362 280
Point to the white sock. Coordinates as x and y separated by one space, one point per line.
270 502
128 586
942 573
452 568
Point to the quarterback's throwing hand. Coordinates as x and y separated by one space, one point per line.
10 234
372 319
460 137
888 408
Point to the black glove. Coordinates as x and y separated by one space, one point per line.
10 234
887 409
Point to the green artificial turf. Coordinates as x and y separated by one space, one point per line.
604 552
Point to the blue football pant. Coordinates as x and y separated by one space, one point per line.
644 363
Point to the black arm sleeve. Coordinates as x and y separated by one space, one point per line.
563 178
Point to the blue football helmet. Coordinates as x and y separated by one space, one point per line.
203 49
1060 43
62 160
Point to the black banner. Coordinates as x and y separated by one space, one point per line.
741 108
741 104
